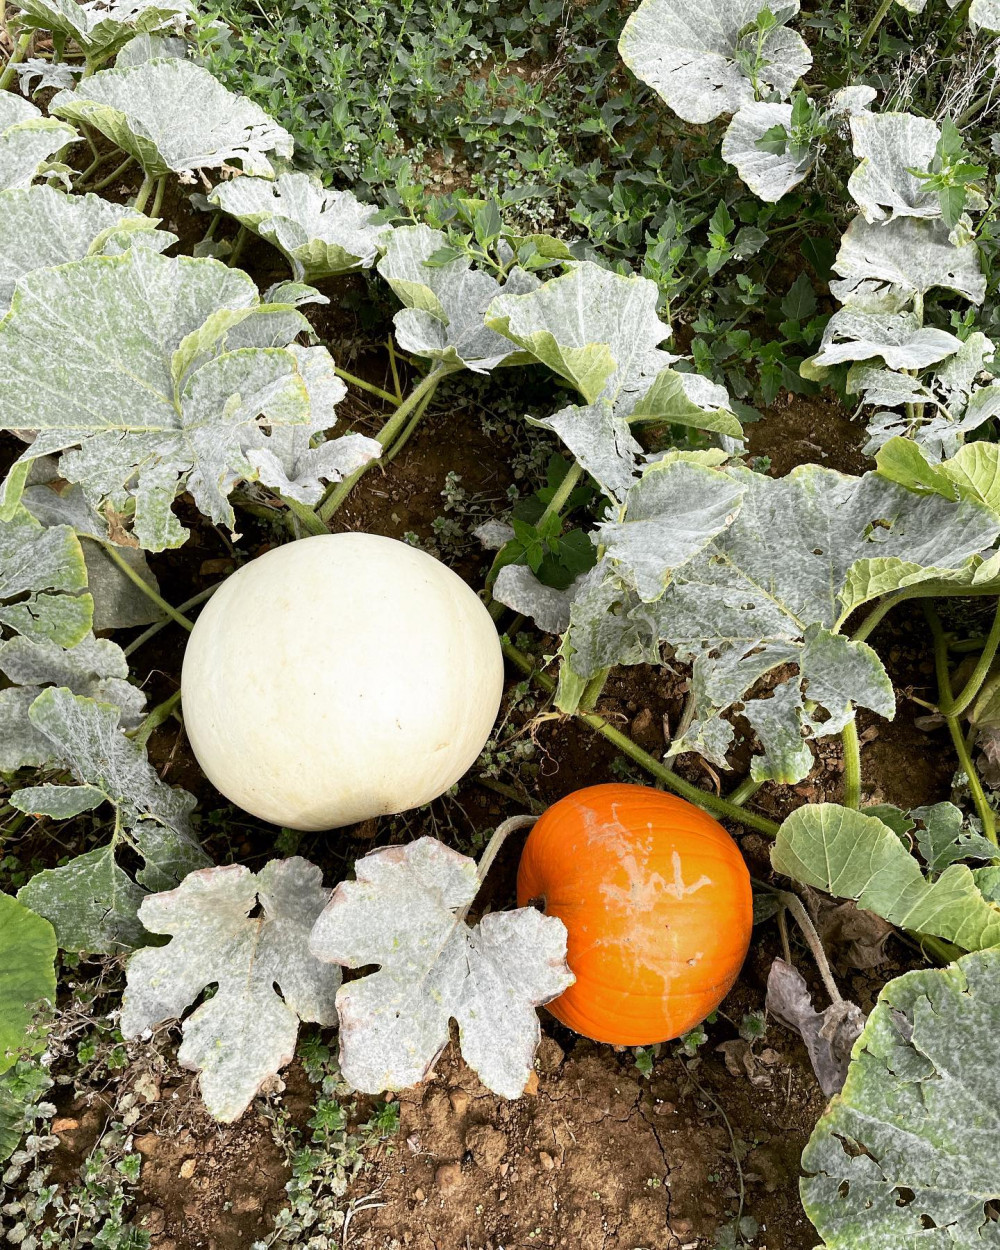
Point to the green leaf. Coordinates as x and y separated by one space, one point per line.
800 302
27 140
905 1156
42 573
27 975
91 901
99 31
941 839
851 855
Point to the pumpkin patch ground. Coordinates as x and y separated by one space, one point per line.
499 625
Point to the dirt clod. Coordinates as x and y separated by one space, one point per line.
448 1178
487 1145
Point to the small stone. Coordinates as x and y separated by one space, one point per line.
459 1100
188 1169
769 1056
664 1108
546 1160
419 1195
448 1177
65 1125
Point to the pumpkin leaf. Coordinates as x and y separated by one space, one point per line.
985 15
405 913
99 30
776 586
444 304
889 146
320 232
95 667
703 61
160 385
897 338
598 330
942 840
42 575
142 48
600 439
27 140
92 902
767 173
851 855
907 1146
905 256
40 226
174 117
829 1036
27 975
973 473
267 979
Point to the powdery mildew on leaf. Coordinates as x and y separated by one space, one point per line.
403 913
898 338
266 977
95 667
98 27
40 226
889 145
850 855
985 14
42 575
906 1154
903 257
160 372
769 175
321 232
445 305
91 901
689 53
27 140
173 116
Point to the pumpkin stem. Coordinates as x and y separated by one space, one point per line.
813 941
500 835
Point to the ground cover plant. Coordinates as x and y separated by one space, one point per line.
675 338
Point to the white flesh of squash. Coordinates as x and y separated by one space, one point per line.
340 677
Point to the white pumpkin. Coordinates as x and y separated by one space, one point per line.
340 677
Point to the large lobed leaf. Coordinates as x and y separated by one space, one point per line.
27 140
27 975
100 27
174 117
42 575
904 257
691 54
889 146
906 1155
92 902
898 338
405 913
851 855
445 304
267 978
319 231
161 373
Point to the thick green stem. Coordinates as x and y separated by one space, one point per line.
145 191
876 22
392 428
593 690
852 764
983 809
563 492
956 706
16 57
744 792
115 174
305 515
411 425
161 186
718 806
155 718
155 628
112 553
367 386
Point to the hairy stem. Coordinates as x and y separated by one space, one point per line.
852 764
367 386
16 57
718 806
500 836
112 552
804 921
145 191
305 515
161 186
411 425
744 791
115 174
563 492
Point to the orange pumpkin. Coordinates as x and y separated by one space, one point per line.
657 903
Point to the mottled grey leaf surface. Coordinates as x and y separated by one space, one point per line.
897 338
689 54
985 14
148 376
27 140
267 980
91 902
601 441
35 74
42 575
942 838
889 145
321 232
829 1036
95 667
850 855
518 588
776 586
769 175
142 48
905 1156
98 27
598 330
174 117
402 913
40 226
445 305
908 256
